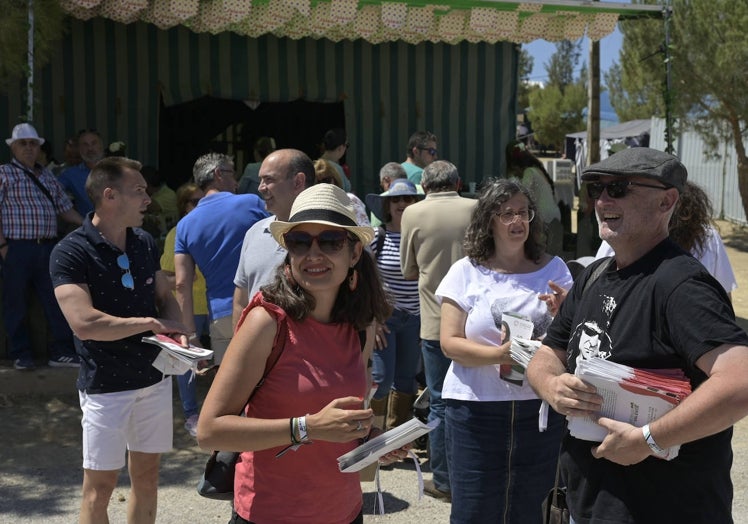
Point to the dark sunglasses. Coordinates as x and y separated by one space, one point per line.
124 264
408 199
330 241
431 151
617 189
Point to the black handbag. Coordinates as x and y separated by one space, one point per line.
555 509
217 482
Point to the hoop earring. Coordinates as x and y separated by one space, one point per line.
353 280
289 276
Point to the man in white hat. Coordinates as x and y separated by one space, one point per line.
31 198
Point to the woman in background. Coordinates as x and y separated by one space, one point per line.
529 171
397 352
188 195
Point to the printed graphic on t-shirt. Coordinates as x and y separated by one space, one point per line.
590 338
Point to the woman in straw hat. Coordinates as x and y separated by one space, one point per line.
325 293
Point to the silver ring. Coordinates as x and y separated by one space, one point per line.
359 427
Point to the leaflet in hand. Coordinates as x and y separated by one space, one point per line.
175 359
370 451
514 325
634 396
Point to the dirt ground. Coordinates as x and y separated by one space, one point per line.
40 456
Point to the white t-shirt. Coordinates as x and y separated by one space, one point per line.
485 295
713 257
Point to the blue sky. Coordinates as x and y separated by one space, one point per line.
542 50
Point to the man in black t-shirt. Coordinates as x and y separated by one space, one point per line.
111 290
653 307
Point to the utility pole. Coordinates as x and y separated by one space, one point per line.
30 58
593 104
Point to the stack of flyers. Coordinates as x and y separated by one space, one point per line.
174 358
522 350
635 396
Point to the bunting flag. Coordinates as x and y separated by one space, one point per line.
375 21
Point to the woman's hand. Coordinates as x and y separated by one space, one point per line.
380 337
342 420
555 299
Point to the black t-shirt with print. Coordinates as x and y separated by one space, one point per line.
663 311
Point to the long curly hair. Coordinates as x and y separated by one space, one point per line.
479 244
690 222
360 307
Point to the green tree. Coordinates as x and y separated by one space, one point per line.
524 67
709 53
558 108
14 26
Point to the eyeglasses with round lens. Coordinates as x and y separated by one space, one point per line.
617 189
407 199
509 217
124 264
330 241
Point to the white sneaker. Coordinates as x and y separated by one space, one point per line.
191 425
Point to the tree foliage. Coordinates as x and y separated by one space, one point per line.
709 54
525 67
49 29
558 108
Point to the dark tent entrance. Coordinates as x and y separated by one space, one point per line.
191 129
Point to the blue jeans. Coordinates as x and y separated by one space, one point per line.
502 466
396 366
27 263
435 366
187 387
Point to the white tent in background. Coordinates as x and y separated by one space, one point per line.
629 134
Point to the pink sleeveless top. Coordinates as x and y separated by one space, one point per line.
320 362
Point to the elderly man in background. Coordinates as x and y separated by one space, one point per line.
432 234
31 199
211 237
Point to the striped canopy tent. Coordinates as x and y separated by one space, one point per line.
393 68
375 21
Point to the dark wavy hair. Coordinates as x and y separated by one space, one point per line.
691 220
479 245
366 304
518 158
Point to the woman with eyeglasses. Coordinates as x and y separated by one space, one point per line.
504 464
309 409
188 196
397 350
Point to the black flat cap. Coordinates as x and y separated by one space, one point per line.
643 162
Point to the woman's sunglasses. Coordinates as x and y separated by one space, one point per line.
617 189
407 199
330 241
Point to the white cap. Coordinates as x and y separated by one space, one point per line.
24 131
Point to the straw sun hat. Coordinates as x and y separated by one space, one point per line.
322 204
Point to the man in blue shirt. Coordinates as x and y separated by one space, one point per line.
73 179
211 236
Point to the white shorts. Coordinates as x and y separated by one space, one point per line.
138 420
221 331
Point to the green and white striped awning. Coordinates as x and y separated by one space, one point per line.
376 21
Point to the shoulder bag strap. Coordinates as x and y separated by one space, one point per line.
36 181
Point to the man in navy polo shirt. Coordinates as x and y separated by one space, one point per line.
110 288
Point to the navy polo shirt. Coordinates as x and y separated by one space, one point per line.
86 257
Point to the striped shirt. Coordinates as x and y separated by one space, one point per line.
404 293
26 212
